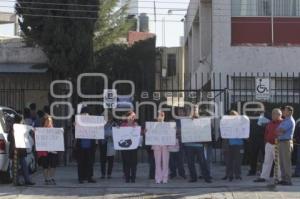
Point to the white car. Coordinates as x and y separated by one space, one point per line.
4 145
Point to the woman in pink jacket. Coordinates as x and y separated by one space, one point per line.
161 156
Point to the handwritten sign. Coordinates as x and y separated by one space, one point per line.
126 138
161 133
89 127
49 139
196 130
235 127
22 136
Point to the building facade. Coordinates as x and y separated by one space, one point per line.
170 73
242 40
24 74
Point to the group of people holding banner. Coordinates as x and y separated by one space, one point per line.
170 141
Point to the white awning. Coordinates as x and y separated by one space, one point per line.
22 68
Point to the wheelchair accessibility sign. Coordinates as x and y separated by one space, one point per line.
262 88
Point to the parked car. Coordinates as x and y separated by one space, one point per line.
4 147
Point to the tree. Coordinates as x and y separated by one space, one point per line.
112 24
64 29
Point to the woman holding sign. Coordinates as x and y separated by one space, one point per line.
161 155
48 159
129 156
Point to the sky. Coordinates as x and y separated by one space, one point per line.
172 30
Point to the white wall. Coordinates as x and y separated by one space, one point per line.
15 51
198 42
229 59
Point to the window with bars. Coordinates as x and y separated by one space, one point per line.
171 62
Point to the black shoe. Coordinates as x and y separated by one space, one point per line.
192 180
172 176
52 181
259 180
251 174
200 177
127 180
102 177
29 183
109 177
284 183
80 181
224 178
18 184
183 176
92 180
230 179
132 181
208 180
238 178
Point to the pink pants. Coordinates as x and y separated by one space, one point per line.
161 155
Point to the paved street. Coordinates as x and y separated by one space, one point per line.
69 188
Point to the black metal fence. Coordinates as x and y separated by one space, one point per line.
222 92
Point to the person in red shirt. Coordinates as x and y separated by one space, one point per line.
270 136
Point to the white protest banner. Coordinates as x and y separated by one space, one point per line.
89 127
21 135
161 133
235 127
49 139
126 138
196 130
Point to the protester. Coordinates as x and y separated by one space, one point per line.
233 156
285 137
130 156
256 142
196 150
297 143
107 151
48 159
176 162
84 153
27 117
34 116
161 155
18 156
270 137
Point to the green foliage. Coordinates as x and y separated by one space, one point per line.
111 24
136 63
67 39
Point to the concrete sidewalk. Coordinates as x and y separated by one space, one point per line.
68 187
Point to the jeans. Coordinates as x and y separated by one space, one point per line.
24 169
176 163
85 164
192 154
208 155
233 161
130 164
105 159
297 169
151 162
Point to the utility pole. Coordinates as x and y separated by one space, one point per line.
155 19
